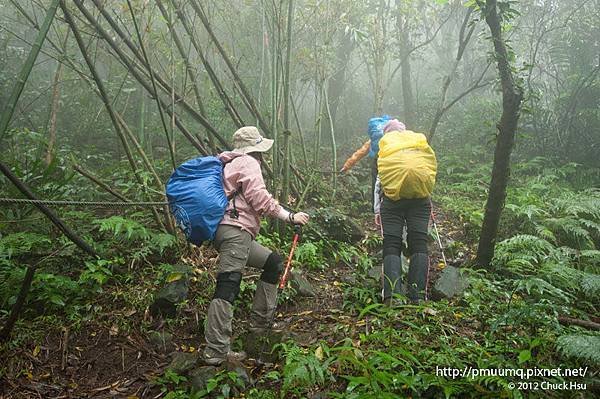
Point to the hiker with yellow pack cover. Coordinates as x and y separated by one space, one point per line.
406 171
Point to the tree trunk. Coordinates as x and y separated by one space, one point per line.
407 93
512 96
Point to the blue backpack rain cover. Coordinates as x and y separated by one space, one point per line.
375 132
197 198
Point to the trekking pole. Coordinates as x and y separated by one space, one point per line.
382 264
284 277
437 233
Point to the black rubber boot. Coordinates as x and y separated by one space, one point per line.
392 281
417 276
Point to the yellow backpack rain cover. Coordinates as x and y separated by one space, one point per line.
406 165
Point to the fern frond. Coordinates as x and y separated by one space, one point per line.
590 286
570 232
589 258
523 253
545 233
579 346
572 280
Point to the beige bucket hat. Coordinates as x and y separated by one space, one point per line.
247 139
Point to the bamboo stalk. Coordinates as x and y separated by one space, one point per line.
105 100
300 132
248 98
159 184
152 80
286 104
333 147
229 106
54 109
11 104
134 70
18 305
22 187
100 183
189 69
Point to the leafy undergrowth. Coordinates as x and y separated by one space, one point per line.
86 330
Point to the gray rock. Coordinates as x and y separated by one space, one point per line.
198 378
301 284
162 341
173 293
183 362
375 273
451 283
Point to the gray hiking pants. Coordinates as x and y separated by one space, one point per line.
237 250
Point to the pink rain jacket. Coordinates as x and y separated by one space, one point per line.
242 172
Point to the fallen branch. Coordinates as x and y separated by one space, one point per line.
567 321
65 348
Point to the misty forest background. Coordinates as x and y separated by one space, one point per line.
100 100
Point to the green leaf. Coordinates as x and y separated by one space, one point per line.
369 308
524 356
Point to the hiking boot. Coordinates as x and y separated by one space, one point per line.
230 357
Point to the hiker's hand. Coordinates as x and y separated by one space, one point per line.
378 219
301 218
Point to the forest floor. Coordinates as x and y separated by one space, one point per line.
113 356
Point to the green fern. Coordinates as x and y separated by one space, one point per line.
523 253
545 233
580 346
571 231
23 243
540 288
121 228
303 368
588 260
590 285
572 280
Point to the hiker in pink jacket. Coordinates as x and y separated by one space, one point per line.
235 241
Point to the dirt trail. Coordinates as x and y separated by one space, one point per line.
100 360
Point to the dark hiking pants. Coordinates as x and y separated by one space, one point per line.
414 214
